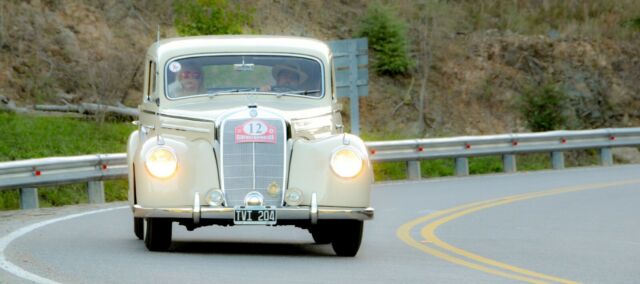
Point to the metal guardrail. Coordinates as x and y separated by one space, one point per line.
29 174
506 145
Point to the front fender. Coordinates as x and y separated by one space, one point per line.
310 171
132 146
197 172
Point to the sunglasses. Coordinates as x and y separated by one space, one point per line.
190 75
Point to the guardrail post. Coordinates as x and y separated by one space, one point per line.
557 160
509 163
413 170
29 198
606 157
96 192
462 166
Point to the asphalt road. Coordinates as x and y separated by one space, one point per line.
575 225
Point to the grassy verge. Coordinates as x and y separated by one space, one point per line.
28 137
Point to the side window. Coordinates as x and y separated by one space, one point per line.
151 81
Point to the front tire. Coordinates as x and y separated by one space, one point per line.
138 227
347 237
321 234
158 234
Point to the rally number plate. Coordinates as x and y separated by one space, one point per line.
255 216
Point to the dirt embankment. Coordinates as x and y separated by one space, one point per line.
90 51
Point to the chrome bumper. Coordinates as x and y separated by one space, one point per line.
284 213
313 213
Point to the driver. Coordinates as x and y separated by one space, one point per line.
288 77
188 81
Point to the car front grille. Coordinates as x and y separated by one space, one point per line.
252 166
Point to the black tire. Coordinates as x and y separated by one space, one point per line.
321 234
138 227
347 237
158 234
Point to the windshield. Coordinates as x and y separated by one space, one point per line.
230 74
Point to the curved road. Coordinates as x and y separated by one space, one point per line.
575 225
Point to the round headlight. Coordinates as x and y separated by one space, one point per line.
346 162
161 162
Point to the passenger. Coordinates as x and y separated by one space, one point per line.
288 77
188 81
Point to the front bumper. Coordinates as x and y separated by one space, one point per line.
284 213
312 213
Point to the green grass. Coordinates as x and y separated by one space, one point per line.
28 137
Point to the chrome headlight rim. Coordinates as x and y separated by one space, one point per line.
352 149
174 156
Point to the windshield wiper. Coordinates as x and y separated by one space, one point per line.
299 92
233 91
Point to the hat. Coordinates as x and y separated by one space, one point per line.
289 67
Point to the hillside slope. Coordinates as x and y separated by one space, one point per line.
483 57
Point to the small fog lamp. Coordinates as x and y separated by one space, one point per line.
215 197
293 197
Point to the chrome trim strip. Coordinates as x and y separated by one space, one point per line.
284 213
184 128
176 116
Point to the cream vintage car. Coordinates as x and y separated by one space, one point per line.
245 130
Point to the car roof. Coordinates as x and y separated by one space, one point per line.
173 47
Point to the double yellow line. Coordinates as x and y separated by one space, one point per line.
438 248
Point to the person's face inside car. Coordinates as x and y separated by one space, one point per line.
191 79
288 78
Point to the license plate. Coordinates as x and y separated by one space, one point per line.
256 216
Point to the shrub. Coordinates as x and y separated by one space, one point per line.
635 23
209 17
387 34
542 107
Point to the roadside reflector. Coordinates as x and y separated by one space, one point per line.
612 138
104 167
563 140
420 149
372 151
37 173
514 143
467 146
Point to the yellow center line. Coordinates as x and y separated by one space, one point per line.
516 273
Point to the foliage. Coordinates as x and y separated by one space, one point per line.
209 17
542 107
635 23
387 34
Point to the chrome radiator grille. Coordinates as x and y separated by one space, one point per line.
252 166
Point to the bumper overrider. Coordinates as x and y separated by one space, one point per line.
312 213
